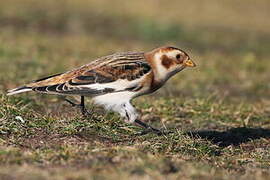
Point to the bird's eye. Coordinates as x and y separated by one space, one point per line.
178 56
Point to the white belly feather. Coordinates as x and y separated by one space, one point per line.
119 102
114 99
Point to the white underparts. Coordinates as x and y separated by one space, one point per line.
119 102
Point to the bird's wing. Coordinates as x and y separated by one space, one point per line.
114 73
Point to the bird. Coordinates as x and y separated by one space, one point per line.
113 81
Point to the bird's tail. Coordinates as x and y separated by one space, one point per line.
19 90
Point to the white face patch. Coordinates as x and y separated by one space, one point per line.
172 54
162 73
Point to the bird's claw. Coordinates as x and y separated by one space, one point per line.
72 103
81 106
158 132
150 130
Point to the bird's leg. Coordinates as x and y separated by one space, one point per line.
147 127
81 106
131 116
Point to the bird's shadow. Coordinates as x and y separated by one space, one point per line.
233 136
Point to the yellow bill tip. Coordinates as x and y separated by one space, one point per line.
189 63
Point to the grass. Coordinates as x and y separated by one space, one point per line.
218 112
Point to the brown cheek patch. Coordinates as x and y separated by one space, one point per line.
167 62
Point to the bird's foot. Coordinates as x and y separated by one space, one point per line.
80 106
72 103
146 131
148 128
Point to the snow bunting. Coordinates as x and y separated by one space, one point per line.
113 81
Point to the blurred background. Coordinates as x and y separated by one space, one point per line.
229 40
219 111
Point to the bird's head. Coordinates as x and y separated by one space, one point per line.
169 60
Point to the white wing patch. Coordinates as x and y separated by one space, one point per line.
118 85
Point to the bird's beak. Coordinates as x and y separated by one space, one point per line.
189 63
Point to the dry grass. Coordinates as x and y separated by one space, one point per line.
219 112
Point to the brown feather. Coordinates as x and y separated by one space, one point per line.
166 62
108 69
